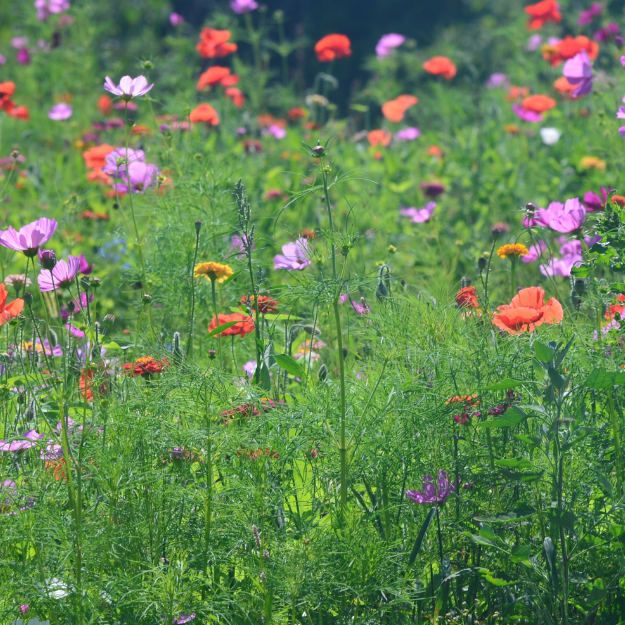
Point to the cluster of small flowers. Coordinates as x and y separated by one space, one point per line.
467 403
501 409
255 454
247 411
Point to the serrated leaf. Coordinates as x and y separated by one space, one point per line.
290 365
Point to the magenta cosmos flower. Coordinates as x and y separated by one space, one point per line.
432 493
568 218
175 19
29 238
128 87
578 71
137 178
60 112
61 277
525 115
587 16
45 8
26 442
243 6
593 202
117 160
419 215
387 44
535 252
294 256
408 134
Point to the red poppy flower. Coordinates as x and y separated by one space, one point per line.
333 47
19 112
105 105
538 103
516 93
214 43
6 91
394 110
236 95
245 325
541 13
9 311
467 298
379 137
527 311
204 113
568 47
265 304
296 113
86 385
146 366
440 66
616 308
215 75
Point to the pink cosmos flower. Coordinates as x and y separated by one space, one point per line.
533 43
118 160
294 257
45 8
419 215
85 267
543 216
587 16
361 308
3 59
593 202
138 178
408 134
275 131
60 112
561 266
535 252
578 71
525 115
19 42
29 238
29 440
243 6
497 81
61 277
570 217
128 87
23 56
175 19
432 493
387 44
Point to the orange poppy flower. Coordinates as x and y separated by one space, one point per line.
6 91
95 158
563 86
568 48
204 113
379 137
269 120
333 47
213 76
539 103
517 92
296 113
105 105
541 13
467 298
214 43
434 150
616 308
440 66
236 95
245 325
394 110
527 311
9 311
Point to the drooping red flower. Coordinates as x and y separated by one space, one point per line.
265 304
146 366
214 43
467 298
333 47
440 66
527 311
541 13
245 325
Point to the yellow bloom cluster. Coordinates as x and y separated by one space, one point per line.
506 251
213 271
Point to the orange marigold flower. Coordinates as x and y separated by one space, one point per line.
538 103
527 311
244 326
512 251
213 76
204 113
146 366
379 137
236 95
541 13
592 162
105 105
467 298
440 66
214 43
265 304
213 271
394 110
9 311
333 47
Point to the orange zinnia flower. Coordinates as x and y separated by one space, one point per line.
541 13
146 366
245 325
538 103
105 105
296 113
467 298
236 95
568 48
394 110
213 76
204 113
9 311
214 43
440 66
333 47
527 311
379 137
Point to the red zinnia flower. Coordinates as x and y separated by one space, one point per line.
214 43
440 66
265 304
245 325
146 366
333 47
541 13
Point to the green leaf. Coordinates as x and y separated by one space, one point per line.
290 364
359 108
222 327
504 385
516 463
265 380
497 582
598 593
231 278
281 317
601 379
401 187
520 553
543 352
111 345
520 512
512 417
419 542
581 271
562 518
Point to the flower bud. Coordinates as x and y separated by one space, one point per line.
146 299
481 263
496 233
95 283
323 373
345 352
15 153
130 123
28 299
47 258
198 226
211 354
147 64
530 207
71 307
319 150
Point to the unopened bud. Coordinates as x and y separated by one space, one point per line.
71 307
198 226
15 153
130 122
211 354
481 263
28 299
47 258
530 207
95 283
146 299
256 536
147 64
496 233
323 373
319 150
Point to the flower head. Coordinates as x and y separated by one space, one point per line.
432 188
204 113
467 298
432 492
265 304
538 103
550 136
387 44
9 311
244 325
541 13
243 6
213 271
216 75
29 238
419 215
333 47
45 8
214 43
569 217
146 366
408 134
527 311
187 618
587 16
568 47
512 251
61 277
175 19
535 252
578 72
525 115
394 110
60 112
294 257
128 87
379 137
440 66
28 440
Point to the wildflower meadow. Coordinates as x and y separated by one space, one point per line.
304 330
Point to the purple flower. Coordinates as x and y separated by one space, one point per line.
294 256
387 44
578 71
535 252
128 87
138 177
570 217
525 115
243 6
61 277
19 42
3 59
119 159
79 334
249 368
593 202
497 81
237 246
533 43
276 131
175 19
85 267
23 56
561 266
26 442
45 8
543 216
60 112
24 607
185 618
419 215
432 493
362 308
408 134
28 238
603 35
587 16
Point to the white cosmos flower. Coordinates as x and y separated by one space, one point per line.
550 135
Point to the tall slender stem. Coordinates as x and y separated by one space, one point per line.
192 316
214 294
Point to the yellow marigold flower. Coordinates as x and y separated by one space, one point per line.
507 251
213 271
592 162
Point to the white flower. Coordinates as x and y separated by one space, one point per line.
550 135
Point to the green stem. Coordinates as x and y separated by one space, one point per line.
617 445
512 276
214 294
192 316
